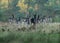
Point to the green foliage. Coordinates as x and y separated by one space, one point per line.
3 17
45 8
56 18
28 37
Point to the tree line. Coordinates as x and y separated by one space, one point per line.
38 7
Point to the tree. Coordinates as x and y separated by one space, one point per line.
12 8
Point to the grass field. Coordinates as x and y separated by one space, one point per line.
44 33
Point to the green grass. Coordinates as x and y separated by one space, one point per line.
29 37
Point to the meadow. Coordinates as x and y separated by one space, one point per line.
44 33
15 13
